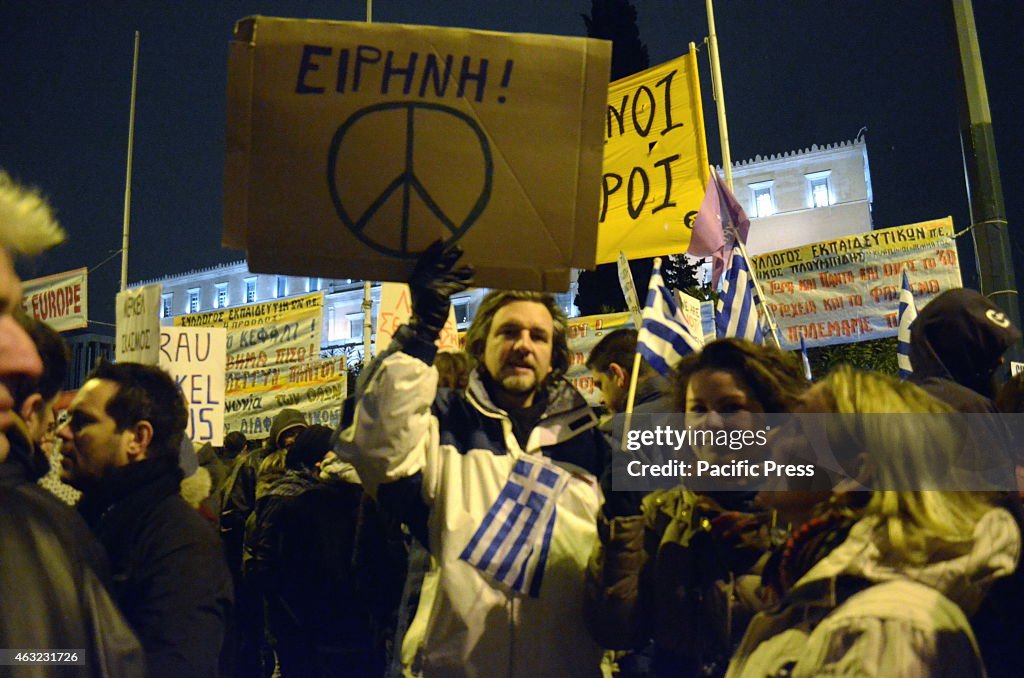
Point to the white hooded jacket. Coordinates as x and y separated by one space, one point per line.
460 448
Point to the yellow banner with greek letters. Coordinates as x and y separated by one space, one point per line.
655 162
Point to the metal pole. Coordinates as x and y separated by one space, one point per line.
128 175
716 83
984 187
367 286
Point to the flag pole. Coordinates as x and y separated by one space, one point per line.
716 85
367 304
128 174
723 133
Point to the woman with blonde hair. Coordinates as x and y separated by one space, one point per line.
882 582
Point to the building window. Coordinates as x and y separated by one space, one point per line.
282 286
220 297
193 300
313 285
165 304
762 199
819 189
250 290
355 325
461 307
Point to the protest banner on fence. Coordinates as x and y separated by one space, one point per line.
583 334
265 343
196 358
847 290
655 162
60 300
317 388
394 310
137 332
371 119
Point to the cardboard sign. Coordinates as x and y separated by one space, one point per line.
847 290
352 146
60 300
196 358
138 325
655 162
394 310
629 290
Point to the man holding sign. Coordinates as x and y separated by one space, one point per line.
499 480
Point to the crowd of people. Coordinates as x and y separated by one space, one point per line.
464 519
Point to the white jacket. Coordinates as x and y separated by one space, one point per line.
912 622
461 447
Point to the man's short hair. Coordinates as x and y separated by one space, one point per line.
476 335
146 393
27 224
55 356
617 347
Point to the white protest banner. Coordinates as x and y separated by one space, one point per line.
138 325
700 316
316 388
266 343
60 300
582 335
1016 368
196 358
394 136
629 290
847 290
655 162
394 310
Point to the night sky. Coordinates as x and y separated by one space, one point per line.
796 73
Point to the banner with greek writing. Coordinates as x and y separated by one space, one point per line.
265 342
847 290
60 300
316 388
583 334
655 162
138 325
395 309
195 357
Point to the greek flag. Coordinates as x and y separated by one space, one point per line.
737 306
905 318
664 336
513 541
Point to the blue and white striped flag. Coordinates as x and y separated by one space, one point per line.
664 336
513 541
737 312
906 316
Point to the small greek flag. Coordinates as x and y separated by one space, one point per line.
513 541
664 336
737 306
905 318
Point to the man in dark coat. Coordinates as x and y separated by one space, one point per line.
49 580
120 448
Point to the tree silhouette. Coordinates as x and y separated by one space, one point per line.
598 291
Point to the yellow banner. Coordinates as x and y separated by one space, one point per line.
655 162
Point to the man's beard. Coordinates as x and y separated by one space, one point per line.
520 384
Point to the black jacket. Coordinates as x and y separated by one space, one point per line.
170 578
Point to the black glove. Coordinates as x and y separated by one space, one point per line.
431 284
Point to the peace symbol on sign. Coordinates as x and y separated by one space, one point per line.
408 188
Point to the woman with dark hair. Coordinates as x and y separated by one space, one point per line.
682 567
